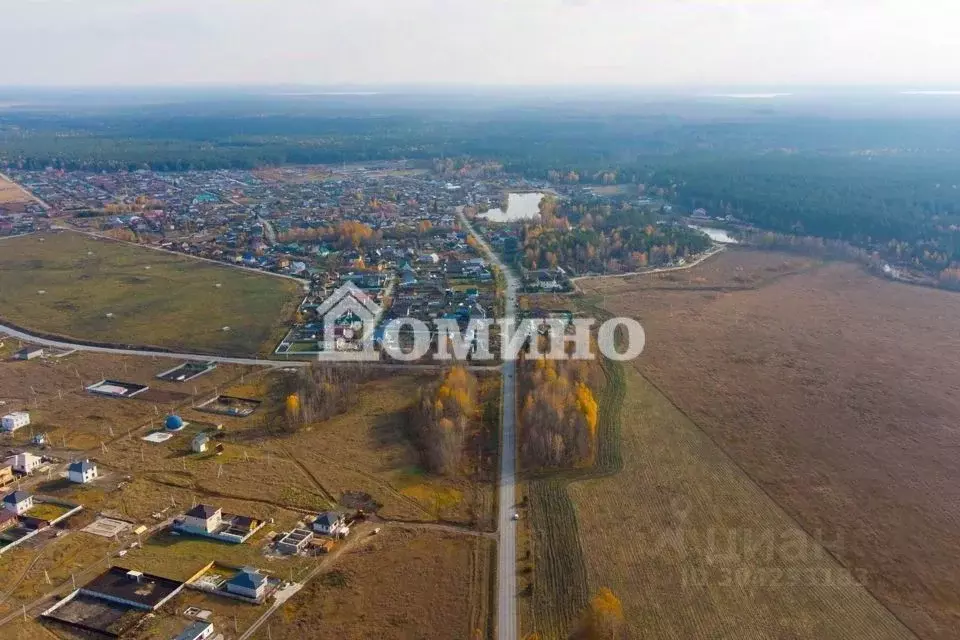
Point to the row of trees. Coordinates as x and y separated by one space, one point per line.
559 414
316 393
442 418
349 234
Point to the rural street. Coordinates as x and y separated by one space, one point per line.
43 342
280 598
507 545
363 534
17 334
716 249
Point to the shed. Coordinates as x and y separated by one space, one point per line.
29 353
200 443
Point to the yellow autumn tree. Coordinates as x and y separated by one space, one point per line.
559 415
602 619
293 404
443 418
587 405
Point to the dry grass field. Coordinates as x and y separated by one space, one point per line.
365 450
264 471
368 450
397 585
12 196
834 393
52 389
294 175
695 550
24 570
690 545
155 298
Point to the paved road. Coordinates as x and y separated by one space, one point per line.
507 545
253 362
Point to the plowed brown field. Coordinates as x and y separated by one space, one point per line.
781 397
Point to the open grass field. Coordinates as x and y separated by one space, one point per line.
24 570
295 175
365 450
155 298
397 585
815 388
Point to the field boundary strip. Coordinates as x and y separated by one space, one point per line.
561 587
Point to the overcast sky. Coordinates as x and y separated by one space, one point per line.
625 42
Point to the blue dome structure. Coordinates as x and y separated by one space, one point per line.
174 423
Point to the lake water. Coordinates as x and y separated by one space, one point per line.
717 235
520 206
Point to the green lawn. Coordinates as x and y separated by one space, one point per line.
155 298
47 511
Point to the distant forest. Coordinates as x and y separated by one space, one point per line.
882 181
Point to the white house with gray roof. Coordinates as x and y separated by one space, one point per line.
82 472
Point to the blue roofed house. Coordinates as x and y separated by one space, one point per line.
331 523
249 583
18 502
82 472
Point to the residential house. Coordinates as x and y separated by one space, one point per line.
19 502
203 517
25 462
331 523
13 421
249 583
6 475
82 471
206 520
408 278
8 520
198 630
